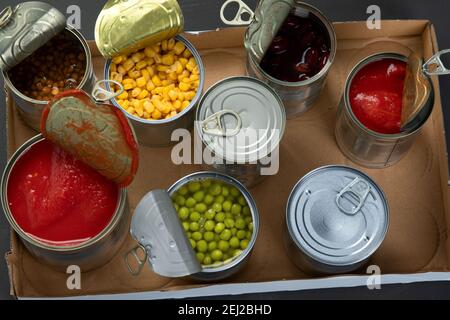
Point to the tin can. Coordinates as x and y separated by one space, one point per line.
88 255
336 218
364 146
158 133
241 121
26 36
298 97
163 241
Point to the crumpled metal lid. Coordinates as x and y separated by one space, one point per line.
98 134
25 29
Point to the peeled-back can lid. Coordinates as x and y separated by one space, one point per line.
25 29
337 215
124 26
157 228
241 119
98 134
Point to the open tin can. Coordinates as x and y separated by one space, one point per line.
163 242
336 218
99 136
25 29
129 26
241 121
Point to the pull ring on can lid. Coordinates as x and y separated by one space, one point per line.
218 129
359 189
5 16
102 95
237 20
435 66
134 253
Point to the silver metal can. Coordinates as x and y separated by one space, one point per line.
364 146
336 218
158 133
298 97
241 121
88 255
25 36
158 230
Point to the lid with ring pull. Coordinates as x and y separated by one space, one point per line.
93 131
241 119
238 19
337 215
25 28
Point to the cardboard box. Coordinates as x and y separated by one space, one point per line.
416 247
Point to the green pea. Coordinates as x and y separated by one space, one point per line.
224 245
216 237
194 186
190 202
180 200
183 213
219 228
220 217
208 236
240 223
199 196
212 246
197 236
229 223
209 225
209 199
246 211
176 206
241 234
183 191
250 226
202 246
193 243
234 243
215 189
210 214
194 226
230 198
236 209
189 234
248 220
195 216
234 191
249 235
186 226
200 257
227 206
219 199
207 261
242 201
201 207
234 231
217 255
206 183
228 215
237 252
217 207
225 235
225 191
226 257
244 244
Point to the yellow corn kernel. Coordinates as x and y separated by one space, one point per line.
129 86
157 48
136 92
187 53
140 111
145 74
167 82
173 76
156 81
168 59
149 107
156 114
196 70
141 82
113 67
125 104
116 76
158 91
184 86
179 48
136 57
135 104
184 74
181 96
131 110
191 64
150 70
150 61
185 104
186 80
173 95
121 70
164 45
150 85
141 65
149 52
159 105
170 44
189 95
177 105
128 81
156 97
146 115
183 61
134 74
144 94
128 64
173 113
158 58
195 84
162 68
194 77
119 59
123 96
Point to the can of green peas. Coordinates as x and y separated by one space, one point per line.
204 226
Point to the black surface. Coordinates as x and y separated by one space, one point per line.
204 14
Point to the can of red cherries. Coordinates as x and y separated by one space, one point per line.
291 46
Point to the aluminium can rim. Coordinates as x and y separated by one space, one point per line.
368 253
115 219
250 201
194 101
333 50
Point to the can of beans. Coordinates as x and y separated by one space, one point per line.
161 71
336 218
291 46
76 212
40 57
241 121
374 138
205 226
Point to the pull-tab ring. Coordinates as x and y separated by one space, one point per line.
134 253
102 95
359 189
5 16
434 66
237 20
213 124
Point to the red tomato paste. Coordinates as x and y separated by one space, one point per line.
376 95
58 199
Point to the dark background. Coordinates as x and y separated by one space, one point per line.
203 15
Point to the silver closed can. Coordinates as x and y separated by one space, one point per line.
241 121
298 97
336 218
367 147
24 30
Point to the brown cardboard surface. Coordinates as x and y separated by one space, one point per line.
416 187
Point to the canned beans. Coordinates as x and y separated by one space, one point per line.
58 65
159 81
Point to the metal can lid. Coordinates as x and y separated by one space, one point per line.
25 29
337 215
98 134
124 26
241 119
156 227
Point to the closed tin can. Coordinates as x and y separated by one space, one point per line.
27 27
367 147
241 121
298 97
336 218
158 230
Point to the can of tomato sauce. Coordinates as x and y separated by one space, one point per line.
41 56
64 191
368 128
291 46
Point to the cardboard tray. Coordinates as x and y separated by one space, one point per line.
416 188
